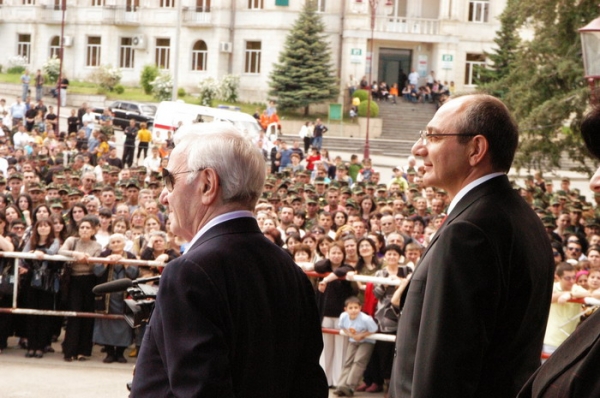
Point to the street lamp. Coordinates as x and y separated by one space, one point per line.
590 43
373 8
63 7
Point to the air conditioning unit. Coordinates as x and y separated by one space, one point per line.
225 47
139 42
67 41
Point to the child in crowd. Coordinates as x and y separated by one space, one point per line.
357 325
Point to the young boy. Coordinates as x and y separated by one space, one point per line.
357 325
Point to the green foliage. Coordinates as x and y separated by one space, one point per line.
181 92
362 109
362 95
304 73
106 76
119 89
15 70
544 86
149 73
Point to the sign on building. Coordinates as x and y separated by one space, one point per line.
355 55
447 61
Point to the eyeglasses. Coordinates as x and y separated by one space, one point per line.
568 278
169 178
575 249
556 253
424 135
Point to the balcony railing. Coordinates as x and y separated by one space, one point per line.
197 16
418 26
127 16
53 15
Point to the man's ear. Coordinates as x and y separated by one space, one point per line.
208 186
478 149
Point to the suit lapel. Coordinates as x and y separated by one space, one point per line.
491 186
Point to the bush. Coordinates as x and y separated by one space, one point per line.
15 70
209 88
16 65
119 89
228 89
362 95
162 86
52 69
106 77
362 109
181 92
148 75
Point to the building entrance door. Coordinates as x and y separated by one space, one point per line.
394 66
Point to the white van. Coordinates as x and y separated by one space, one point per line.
172 114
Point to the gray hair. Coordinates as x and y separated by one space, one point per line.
159 233
238 163
117 236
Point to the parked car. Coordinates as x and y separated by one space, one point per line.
123 111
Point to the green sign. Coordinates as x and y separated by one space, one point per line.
335 111
447 61
355 55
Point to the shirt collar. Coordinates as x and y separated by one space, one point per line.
219 220
461 194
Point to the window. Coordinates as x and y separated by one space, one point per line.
97 3
199 55
255 4
162 53
167 3
24 46
94 47
202 5
132 5
478 11
28 2
474 63
126 53
252 57
55 47
320 5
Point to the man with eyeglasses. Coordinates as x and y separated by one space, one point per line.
474 313
574 249
234 316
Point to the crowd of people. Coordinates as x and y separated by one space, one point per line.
70 194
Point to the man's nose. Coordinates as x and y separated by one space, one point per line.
419 148
595 181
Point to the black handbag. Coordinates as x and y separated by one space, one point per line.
7 282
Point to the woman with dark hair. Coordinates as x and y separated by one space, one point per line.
558 252
291 241
114 335
105 230
25 204
12 213
77 212
340 218
323 244
311 240
60 228
41 289
330 300
379 240
78 336
368 263
367 206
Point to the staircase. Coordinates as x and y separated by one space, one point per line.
401 124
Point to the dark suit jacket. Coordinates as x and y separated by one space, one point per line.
234 317
572 371
476 309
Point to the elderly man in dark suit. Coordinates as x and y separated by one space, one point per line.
475 312
235 316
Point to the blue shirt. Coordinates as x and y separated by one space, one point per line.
362 323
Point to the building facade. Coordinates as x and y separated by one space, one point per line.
212 38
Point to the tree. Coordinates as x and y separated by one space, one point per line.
504 54
544 87
304 74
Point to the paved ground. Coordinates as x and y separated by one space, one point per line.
51 377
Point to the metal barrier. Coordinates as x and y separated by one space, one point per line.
29 311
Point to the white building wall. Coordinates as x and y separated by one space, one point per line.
453 35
